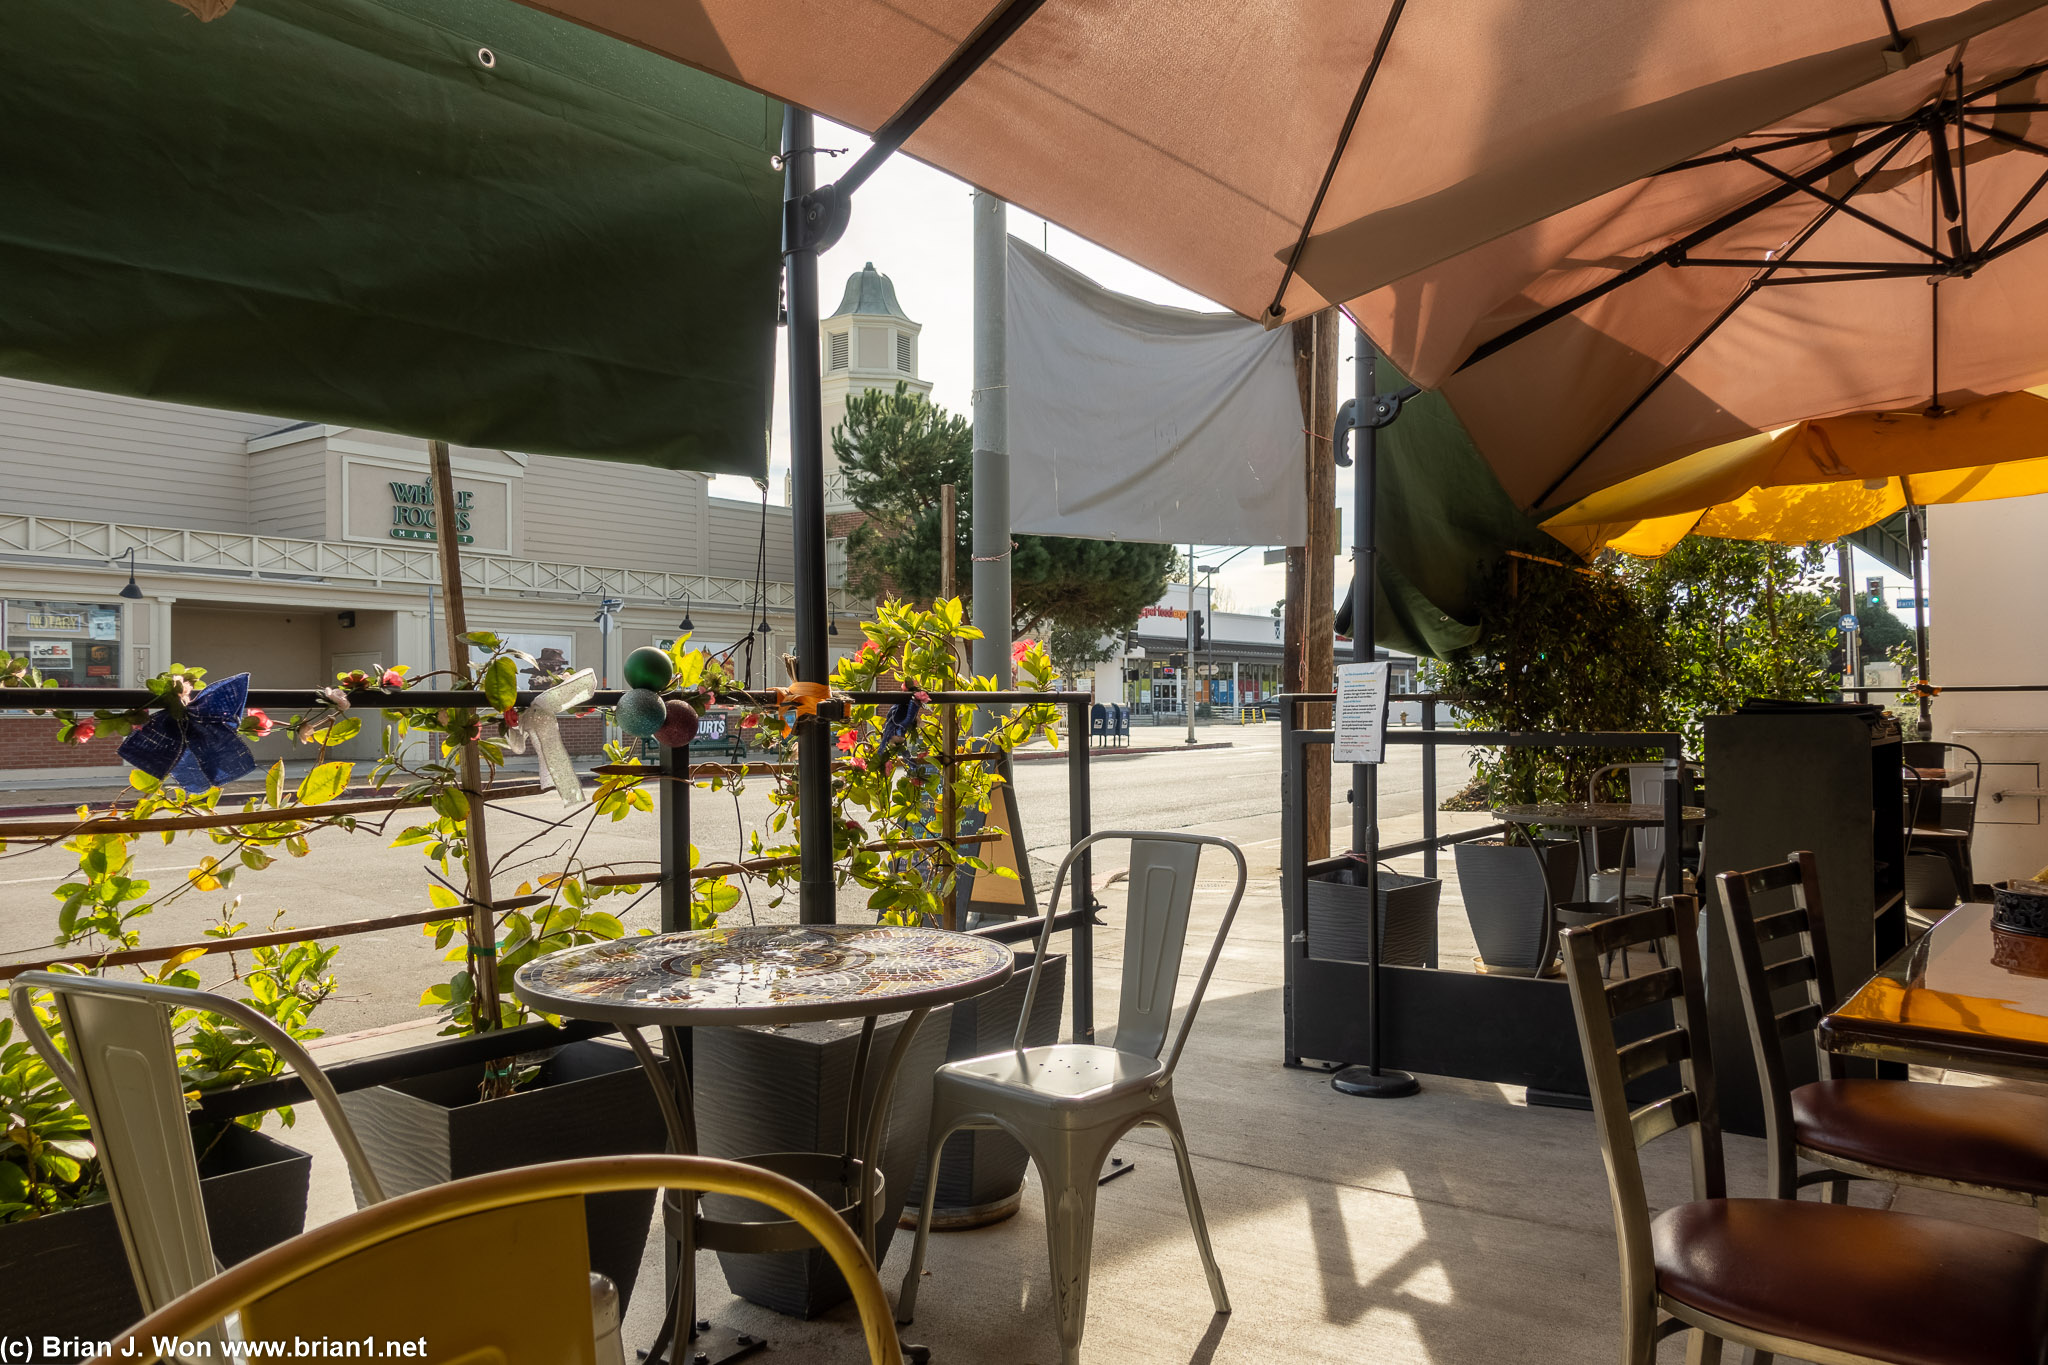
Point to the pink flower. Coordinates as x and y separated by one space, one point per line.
1020 649
511 718
924 698
858 762
392 678
264 724
847 739
83 731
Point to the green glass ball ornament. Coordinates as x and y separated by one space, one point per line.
650 668
641 712
680 727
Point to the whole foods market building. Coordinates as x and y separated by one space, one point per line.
295 552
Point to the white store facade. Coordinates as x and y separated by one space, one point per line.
297 551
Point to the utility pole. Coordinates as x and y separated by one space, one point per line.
1852 640
1310 623
1187 672
1916 545
991 581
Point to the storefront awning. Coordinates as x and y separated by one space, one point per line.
458 219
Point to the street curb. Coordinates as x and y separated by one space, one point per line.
1047 756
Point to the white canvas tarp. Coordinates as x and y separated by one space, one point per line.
1134 421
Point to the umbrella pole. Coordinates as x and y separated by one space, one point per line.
815 902
1368 1081
1916 544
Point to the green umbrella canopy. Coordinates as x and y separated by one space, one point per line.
458 219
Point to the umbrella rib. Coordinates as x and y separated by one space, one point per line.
1308 225
1749 292
1675 253
1781 144
1844 205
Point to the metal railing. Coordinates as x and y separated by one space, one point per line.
294 560
672 778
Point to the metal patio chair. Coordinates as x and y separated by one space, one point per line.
1963 1139
123 1071
1939 827
432 1267
1829 1283
1070 1103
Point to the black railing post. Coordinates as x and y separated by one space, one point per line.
1080 823
673 804
1429 787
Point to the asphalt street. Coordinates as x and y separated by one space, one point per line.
357 876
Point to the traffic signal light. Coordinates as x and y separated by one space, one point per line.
1199 630
1875 587
1176 661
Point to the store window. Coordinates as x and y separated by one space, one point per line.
76 643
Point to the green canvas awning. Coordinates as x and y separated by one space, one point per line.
459 219
1443 523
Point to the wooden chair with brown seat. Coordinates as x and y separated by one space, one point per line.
1829 1283
1964 1139
492 1268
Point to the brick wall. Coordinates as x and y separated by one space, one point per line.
583 734
31 742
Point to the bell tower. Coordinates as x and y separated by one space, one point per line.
867 343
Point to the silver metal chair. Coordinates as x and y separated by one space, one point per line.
123 1071
1069 1104
1830 1283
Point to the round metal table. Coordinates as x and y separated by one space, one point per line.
1587 817
766 974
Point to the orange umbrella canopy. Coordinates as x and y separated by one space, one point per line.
1598 227
1821 480
1358 141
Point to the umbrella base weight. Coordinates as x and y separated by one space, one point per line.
1365 1083
710 1345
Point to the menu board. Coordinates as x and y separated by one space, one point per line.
1361 735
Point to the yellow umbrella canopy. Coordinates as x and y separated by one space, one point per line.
1821 479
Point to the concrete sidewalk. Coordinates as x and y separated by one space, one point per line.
1457 1227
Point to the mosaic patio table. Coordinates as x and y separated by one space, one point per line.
767 974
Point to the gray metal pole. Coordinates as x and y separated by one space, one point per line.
1187 673
1916 544
992 601
1852 671
815 903
1370 1081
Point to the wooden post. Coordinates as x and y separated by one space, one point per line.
1311 611
483 926
949 727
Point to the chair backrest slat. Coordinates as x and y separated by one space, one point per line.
1784 924
1790 972
1654 1053
1639 992
1667 1115
1161 893
1782 999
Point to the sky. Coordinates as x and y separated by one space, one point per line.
914 223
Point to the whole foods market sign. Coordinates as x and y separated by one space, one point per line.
412 512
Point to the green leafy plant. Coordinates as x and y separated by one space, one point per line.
887 782
1559 649
47 1163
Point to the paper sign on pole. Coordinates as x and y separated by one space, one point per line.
1361 713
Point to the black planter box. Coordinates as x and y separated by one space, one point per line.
761 1090
1337 916
67 1275
1508 904
591 1099
982 1173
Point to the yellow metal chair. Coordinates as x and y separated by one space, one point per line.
490 1269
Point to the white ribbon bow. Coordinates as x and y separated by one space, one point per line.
538 723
